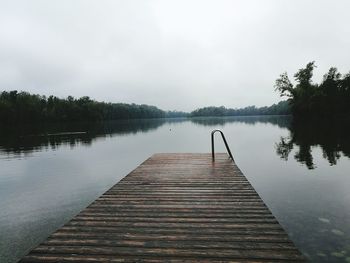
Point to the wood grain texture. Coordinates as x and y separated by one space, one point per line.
173 208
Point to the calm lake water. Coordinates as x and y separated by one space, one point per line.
301 171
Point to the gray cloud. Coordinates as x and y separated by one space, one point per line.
173 54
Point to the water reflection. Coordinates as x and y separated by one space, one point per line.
333 137
24 140
280 121
17 141
39 194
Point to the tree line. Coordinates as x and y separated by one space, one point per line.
330 98
281 108
23 107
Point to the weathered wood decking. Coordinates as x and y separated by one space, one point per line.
173 208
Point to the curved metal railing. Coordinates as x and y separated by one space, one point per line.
213 148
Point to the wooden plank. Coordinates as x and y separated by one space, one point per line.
173 208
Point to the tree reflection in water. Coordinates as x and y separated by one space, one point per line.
333 137
26 139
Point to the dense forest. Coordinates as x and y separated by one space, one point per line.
21 107
330 98
282 108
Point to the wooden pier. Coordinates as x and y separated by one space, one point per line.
173 208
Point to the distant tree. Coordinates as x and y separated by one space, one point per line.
176 114
282 108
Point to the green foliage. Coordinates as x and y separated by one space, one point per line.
282 108
22 107
329 98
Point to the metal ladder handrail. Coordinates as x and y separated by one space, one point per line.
212 144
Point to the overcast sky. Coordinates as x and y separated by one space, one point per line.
173 54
